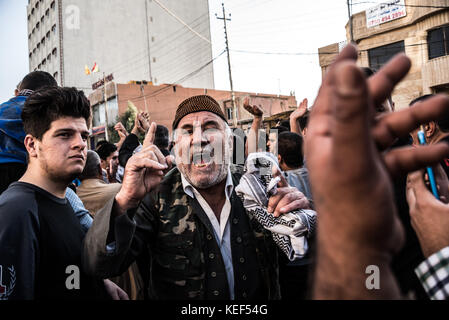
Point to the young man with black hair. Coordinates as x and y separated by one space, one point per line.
108 153
13 156
40 236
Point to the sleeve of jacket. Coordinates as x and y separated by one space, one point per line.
19 249
126 151
113 244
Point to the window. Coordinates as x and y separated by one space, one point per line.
29 17
38 46
154 59
43 41
30 55
44 62
37 25
229 113
438 42
48 35
53 28
42 19
37 4
32 32
32 11
34 50
52 5
47 12
39 67
380 55
49 57
55 75
54 51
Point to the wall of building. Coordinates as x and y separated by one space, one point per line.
425 75
133 40
162 101
43 38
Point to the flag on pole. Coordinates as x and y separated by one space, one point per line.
95 68
86 70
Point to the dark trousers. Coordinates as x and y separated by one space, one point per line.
9 173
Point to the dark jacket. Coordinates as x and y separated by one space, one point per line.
184 259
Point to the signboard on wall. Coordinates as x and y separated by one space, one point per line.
385 12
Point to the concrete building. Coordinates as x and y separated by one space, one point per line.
133 39
162 101
421 31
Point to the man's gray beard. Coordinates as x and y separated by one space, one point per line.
223 172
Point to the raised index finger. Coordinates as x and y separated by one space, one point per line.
151 134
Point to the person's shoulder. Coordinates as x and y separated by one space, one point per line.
17 201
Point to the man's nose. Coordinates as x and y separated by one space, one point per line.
198 137
80 142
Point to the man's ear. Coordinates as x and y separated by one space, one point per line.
31 144
430 129
279 159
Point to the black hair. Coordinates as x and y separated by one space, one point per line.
368 71
304 120
290 149
100 143
280 129
285 123
161 138
442 122
105 150
51 103
36 80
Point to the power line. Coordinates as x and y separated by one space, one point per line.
168 86
403 5
181 21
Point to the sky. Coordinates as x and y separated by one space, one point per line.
258 29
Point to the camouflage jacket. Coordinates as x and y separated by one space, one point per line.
172 239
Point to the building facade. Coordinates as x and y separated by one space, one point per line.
420 31
162 101
133 39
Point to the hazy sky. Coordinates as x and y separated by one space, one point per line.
269 26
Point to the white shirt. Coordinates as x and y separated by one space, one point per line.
222 229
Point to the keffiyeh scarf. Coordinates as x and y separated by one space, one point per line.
257 185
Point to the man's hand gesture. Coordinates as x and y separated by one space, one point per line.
143 173
256 111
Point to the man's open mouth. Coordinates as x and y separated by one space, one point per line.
202 159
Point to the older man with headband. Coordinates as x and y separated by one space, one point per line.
199 240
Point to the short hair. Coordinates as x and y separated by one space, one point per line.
51 103
442 122
304 120
100 143
36 80
105 150
161 138
91 168
285 123
290 149
280 129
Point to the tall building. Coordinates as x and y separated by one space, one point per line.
132 39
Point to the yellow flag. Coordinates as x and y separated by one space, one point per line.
86 70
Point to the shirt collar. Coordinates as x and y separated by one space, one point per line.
188 188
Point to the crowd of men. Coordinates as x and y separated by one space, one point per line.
306 210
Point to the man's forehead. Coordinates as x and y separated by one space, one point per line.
69 123
199 118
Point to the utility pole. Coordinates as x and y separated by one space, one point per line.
234 109
349 3
105 108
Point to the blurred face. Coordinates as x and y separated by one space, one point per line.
61 154
272 142
111 160
202 149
